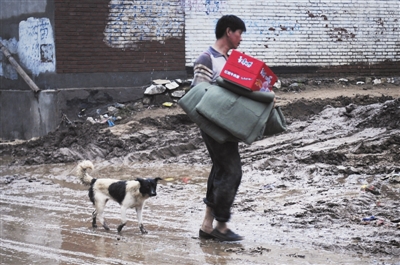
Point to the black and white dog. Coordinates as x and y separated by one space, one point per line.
128 193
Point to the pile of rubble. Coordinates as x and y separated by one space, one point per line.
164 91
173 90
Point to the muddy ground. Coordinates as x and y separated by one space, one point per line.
302 200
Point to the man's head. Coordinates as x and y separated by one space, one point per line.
228 22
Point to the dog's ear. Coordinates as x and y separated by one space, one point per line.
157 179
140 180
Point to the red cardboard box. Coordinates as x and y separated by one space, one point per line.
248 72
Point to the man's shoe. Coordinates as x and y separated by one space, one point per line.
204 235
228 236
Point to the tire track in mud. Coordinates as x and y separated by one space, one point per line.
49 205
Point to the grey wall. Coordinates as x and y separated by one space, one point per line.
15 8
25 114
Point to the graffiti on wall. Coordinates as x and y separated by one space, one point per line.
36 48
206 6
132 22
270 27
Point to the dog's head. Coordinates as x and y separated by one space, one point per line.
148 186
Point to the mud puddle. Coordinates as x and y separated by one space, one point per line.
46 218
304 196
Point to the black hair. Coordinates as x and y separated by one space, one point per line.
228 21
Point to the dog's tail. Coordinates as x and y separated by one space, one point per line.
82 171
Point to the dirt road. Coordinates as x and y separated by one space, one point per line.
302 200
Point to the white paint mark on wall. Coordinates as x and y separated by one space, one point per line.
36 45
132 22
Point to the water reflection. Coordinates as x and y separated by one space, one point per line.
218 252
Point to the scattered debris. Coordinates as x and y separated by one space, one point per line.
161 81
295 255
394 178
178 94
349 108
167 104
155 89
251 251
368 219
377 81
171 86
277 85
186 180
371 188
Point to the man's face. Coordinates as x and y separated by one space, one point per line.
235 37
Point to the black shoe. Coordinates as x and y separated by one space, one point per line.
228 236
204 235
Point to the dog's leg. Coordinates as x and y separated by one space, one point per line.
120 227
100 205
139 217
123 218
94 214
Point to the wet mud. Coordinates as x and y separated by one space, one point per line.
327 191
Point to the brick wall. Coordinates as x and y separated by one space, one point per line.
95 36
322 37
329 37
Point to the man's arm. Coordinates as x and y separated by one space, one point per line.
202 71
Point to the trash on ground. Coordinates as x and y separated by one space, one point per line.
368 219
167 104
371 188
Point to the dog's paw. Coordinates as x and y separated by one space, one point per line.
144 231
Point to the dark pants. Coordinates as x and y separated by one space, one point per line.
225 177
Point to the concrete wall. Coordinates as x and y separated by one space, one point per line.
24 114
335 36
11 8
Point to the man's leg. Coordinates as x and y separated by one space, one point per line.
207 225
223 182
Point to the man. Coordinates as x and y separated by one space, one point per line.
226 172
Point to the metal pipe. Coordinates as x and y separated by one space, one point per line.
19 69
